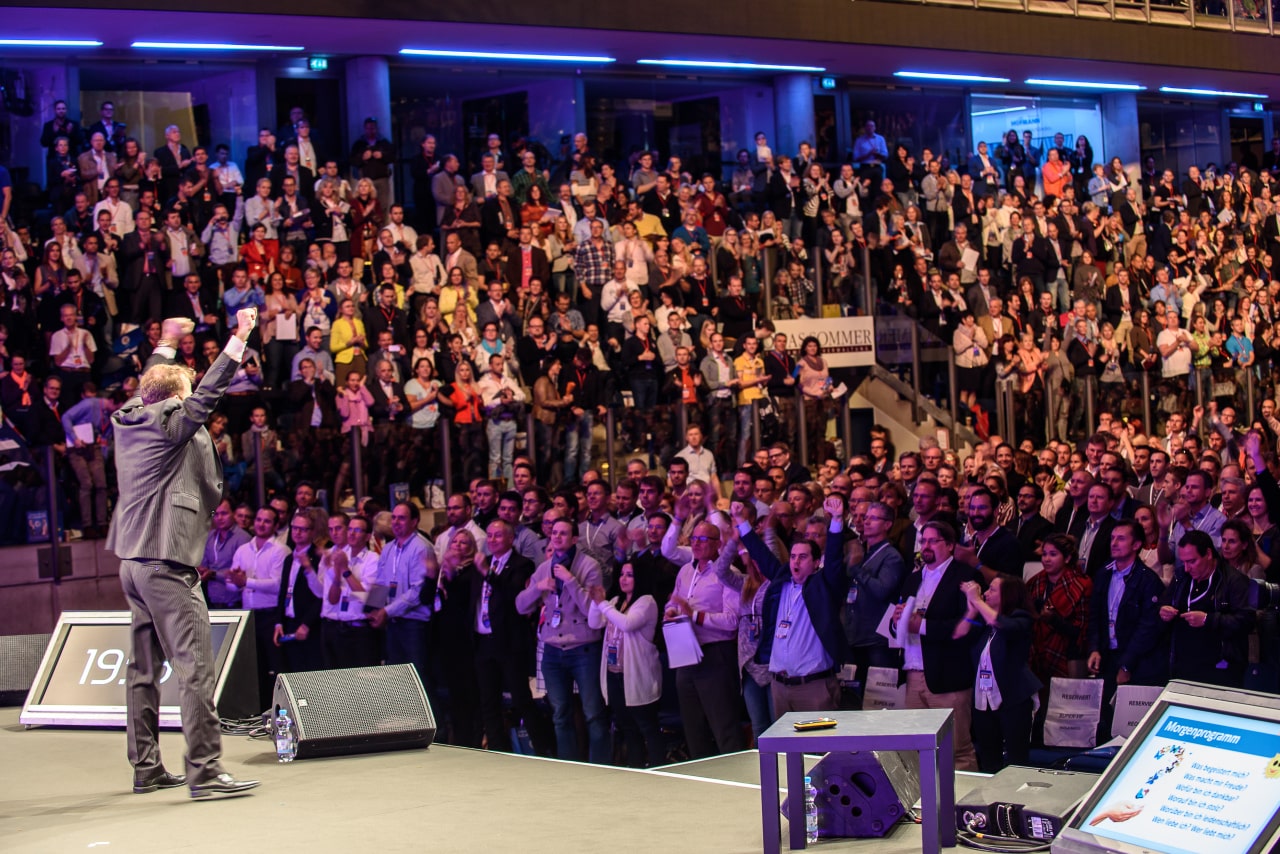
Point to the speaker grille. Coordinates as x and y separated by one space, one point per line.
357 709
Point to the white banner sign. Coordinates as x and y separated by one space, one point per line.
1132 702
882 691
847 342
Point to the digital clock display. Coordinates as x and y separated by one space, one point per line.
84 677
93 668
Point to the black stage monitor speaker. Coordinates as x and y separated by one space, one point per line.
864 794
357 710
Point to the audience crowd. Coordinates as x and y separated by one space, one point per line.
576 291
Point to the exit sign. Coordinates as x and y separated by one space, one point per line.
828 83
318 63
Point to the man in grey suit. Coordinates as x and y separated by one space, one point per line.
170 482
484 184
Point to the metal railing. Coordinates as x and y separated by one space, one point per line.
1201 14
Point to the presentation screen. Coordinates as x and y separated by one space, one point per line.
1193 781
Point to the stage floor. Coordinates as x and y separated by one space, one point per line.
69 790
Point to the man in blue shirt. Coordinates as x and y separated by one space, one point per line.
85 449
402 568
240 295
1240 348
1165 292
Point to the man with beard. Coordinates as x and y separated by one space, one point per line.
990 548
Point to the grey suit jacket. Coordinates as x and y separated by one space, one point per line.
169 473
477 183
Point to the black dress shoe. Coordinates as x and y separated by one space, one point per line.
223 784
161 779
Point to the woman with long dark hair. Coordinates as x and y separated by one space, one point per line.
630 671
1000 621
1061 597
815 385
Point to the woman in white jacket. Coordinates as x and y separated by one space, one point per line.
630 672
971 348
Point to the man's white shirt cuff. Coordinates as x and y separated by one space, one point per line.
235 348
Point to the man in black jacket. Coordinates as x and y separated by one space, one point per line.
991 548
1095 539
195 304
297 631
939 670
873 586
1209 616
1125 636
143 257
504 641
1029 527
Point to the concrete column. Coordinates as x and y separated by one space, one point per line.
1120 133
793 112
368 94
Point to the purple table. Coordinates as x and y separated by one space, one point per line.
929 732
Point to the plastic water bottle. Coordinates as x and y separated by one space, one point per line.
286 738
810 810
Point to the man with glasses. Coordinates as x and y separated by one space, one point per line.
874 583
795 471
709 690
931 458
297 624
940 672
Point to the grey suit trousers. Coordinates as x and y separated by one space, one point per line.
170 621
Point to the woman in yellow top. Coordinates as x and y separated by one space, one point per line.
456 291
347 342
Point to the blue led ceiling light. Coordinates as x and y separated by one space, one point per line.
211 46
951 78
50 43
737 66
998 110
1084 84
488 54
1213 93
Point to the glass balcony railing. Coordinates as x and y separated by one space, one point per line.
1241 16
